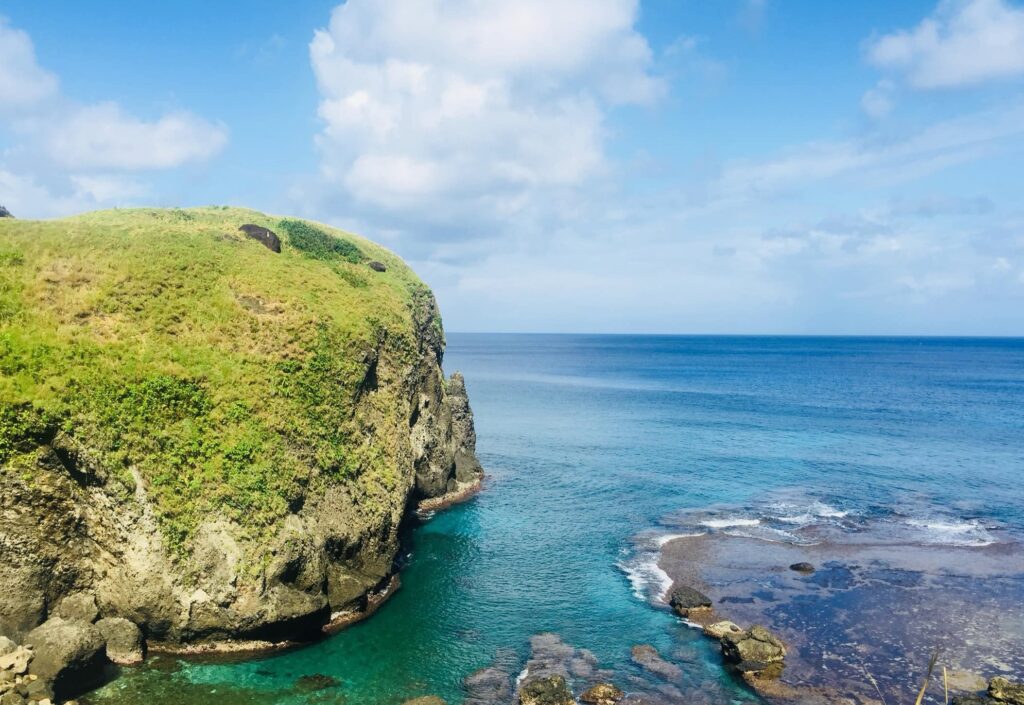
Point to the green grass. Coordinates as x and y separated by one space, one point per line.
168 343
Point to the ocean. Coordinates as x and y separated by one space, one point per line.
600 449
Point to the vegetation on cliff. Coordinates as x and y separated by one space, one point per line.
170 347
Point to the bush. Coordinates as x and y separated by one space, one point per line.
317 244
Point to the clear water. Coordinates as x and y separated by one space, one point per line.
591 440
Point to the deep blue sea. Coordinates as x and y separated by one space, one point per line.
591 441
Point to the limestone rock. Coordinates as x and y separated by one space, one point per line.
79 606
1006 691
124 640
267 238
602 694
648 658
685 599
719 629
16 660
546 691
68 653
6 646
757 646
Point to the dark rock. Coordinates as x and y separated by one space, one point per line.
4 213
1006 691
124 640
602 694
685 599
546 691
317 681
972 699
37 690
802 567
79 606
648 658
377 266
68 653
268 238
757 646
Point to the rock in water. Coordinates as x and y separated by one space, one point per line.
602 694
67 653
648 658
1006 691
757 646
719 629
685 599
802 567
426 700
124 640
546 691
268 238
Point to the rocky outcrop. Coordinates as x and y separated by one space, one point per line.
686 600
266 237
601 694
78 546
1006 691
546 691
4 213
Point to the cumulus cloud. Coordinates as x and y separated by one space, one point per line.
66 156
23 83
964 42
103 136
471 108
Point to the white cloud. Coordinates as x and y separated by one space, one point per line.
963 42
23 83
103 136
471 107
877 102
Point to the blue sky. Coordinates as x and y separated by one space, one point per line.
738 166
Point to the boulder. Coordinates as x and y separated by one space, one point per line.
12 697
802 567
264 236
1006 691
685 599
378 266
757 646
80 606
546 691
16 660
124 640
648 658
6 646
67 653
602 694
720 629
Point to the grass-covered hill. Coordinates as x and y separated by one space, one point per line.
170 346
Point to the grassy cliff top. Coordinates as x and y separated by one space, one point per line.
168 344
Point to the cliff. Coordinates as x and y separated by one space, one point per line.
213 421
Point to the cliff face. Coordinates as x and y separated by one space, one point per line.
215 440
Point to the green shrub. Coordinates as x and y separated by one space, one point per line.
315 243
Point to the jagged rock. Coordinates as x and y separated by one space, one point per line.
68 653
757 646
602 694
124 640
268 238
377 266
79 606
760 670
1006 691
426 700
720 629
685 599
802 567
6 646
546 691
4 213
16 660
648 658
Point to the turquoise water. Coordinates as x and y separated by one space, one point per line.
590 441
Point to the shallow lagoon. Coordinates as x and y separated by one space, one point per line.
593 441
